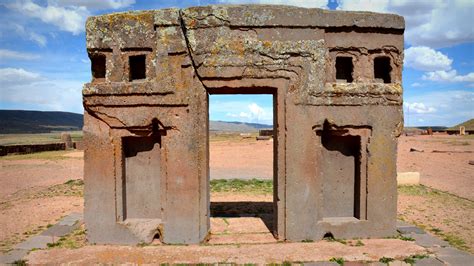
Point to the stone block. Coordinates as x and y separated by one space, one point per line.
13 256
410 229
408 178
336 82
453 256
71 219
59 230
428 240
39 242
429 262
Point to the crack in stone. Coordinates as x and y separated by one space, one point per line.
188 46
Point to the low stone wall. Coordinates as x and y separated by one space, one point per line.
31 148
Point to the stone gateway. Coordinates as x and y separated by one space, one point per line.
335 78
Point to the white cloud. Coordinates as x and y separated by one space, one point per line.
93 4
448 76
17 76
426 59
437 65
71 19
440 108
433 23
26 34
241 115
300 3
250 113
364 5
416 84
9 54
419 108
24 87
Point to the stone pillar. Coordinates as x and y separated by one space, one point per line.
66 138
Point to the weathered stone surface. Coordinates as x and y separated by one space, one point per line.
39 241
427 240
452 256
429 262
72 219
146 118
408 178
58 230
14 256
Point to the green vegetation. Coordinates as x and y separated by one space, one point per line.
453 240
339 261
253 186
386 260
412 259
8 243
452 233
418 190
406 238
46 155
74 188
75 239
20 262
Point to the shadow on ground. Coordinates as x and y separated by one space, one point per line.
262 210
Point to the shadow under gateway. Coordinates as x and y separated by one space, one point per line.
262 210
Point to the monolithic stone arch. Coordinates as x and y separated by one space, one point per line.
146 118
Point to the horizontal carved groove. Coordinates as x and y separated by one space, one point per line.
139 105
99 50
137 49
125 94
364 30
242 90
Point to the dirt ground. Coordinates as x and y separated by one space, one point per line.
31 196
34 193
448 170
372 250
241 159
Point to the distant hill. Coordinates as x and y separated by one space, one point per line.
20 121
222 126
469 125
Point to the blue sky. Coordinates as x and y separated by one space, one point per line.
43 60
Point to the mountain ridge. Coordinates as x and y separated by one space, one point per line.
27 121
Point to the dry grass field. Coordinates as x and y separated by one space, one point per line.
42 138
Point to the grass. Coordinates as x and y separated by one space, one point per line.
418 190
412 259
339 261
434 204
46 155
8 243
38 138
252 186
386 260
73 188
75 239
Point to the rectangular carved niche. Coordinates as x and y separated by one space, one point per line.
344 171
141 184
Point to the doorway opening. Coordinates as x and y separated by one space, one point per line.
242 141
